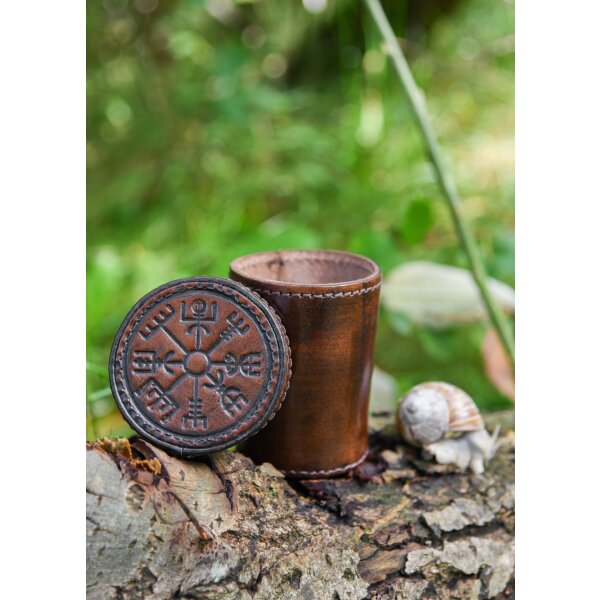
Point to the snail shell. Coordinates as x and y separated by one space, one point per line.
434 410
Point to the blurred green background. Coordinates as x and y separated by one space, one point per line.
220 128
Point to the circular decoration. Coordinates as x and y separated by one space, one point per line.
199 364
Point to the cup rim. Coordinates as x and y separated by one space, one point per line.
239 266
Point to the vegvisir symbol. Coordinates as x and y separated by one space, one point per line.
197 364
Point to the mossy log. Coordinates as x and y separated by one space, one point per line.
221 527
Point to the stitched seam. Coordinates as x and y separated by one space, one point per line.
336 471
324 296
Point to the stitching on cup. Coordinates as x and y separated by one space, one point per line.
323 296
336 471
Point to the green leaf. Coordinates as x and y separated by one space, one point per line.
417 221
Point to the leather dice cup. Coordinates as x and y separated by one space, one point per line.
278 358
328 303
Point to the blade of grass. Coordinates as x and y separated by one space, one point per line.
91 397
99 394
417 103
93 421
96 370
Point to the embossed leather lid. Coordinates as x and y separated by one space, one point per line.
200 364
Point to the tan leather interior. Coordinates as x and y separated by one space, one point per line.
308 267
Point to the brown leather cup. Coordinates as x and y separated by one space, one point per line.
328 302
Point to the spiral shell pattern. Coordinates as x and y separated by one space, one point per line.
434 410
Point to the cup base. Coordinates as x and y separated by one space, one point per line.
324 474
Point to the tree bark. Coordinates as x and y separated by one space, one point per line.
399 527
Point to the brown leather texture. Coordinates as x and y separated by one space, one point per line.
200 364
328 302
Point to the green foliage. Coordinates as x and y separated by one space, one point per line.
218 129
417 221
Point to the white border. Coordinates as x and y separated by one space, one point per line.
42 191
558 298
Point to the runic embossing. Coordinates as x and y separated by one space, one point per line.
231 398
237 325
146 361
157 321
249 364
156 399
194 417
198 311
182 382
198 314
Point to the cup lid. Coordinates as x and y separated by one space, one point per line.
200 364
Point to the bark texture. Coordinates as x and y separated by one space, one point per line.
161 527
